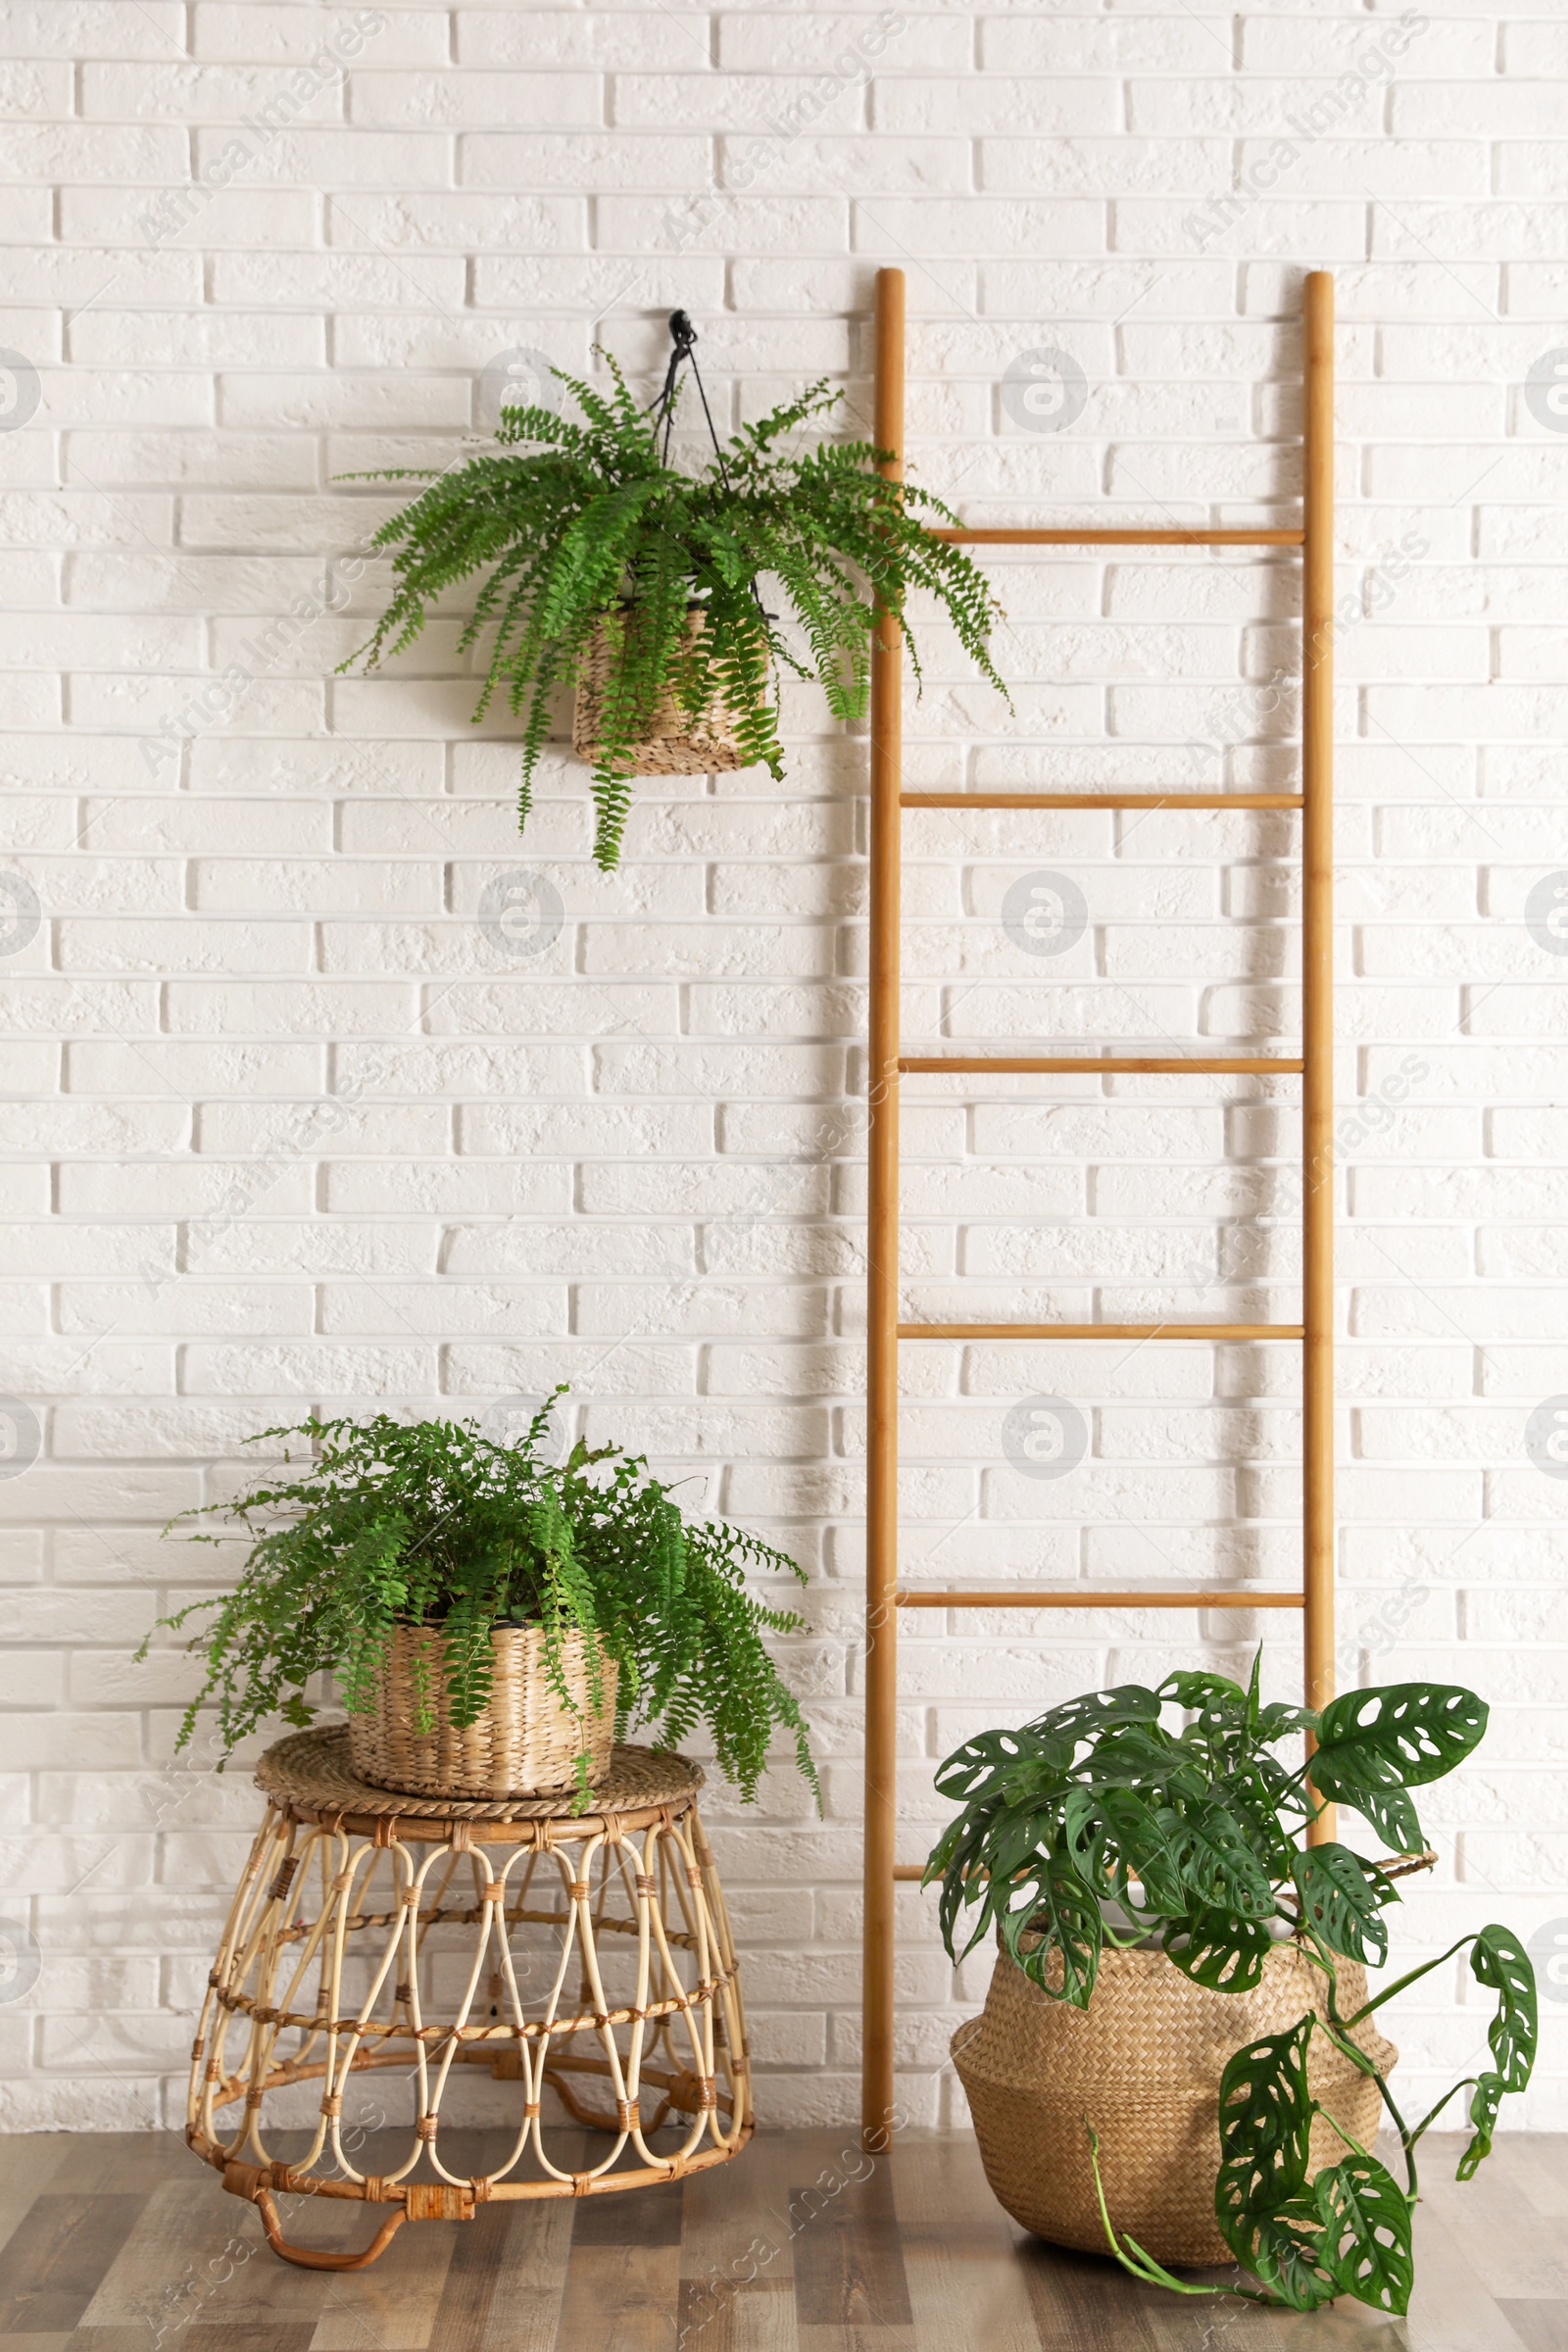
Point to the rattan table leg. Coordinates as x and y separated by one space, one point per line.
311 2258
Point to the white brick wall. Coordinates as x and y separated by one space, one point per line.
284 1130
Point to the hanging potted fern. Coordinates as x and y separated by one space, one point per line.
615 574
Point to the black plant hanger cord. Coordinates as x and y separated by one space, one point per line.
683 339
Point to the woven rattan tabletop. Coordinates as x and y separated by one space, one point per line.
310 1771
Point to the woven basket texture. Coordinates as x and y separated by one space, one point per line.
1143 2064
675 745
523 1743
311 1773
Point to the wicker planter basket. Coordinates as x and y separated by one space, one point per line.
675 744
525 1742
1143 2063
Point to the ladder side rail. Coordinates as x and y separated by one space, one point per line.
882 1284
1317 1005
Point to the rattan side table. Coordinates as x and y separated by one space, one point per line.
371 1930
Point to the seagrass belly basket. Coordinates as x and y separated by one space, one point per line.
1143 2064
525 1742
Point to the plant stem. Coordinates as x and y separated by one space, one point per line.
1465 2083
1414 1977
1145 2270
1339 2032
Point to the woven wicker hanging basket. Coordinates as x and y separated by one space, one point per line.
524 1743
1143 2062
677 744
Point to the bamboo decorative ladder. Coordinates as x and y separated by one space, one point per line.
884 1595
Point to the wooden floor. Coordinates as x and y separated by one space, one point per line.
124 2243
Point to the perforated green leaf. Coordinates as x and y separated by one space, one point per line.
1049 1900
1500 1961
1400 1737
1485 2101
1084 1837
1390 1810
981 1764
1277 1721
1144 1836
1365 2245
956 1861
1219 1950
1343 1898
1096 1711
1218 1865
1132 1755
1265 2114
1266 2119
1192 1687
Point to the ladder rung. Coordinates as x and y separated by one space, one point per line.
908 1870
965 537
1101 800
1102 1331
1044 1598
978 1066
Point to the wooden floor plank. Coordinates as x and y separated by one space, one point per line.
108 2163
14 2211
735 2219
621 2298
1228 2323
524 2309
57 2257
849 2262
960 2250
1338 2328
289 2335
1082 2303
29 2160
1540 2325
1536 2164
1451 2309
392 2306
478 2251
192 2261
1517 2253
862 2339
763 2320
759 2317
633 2217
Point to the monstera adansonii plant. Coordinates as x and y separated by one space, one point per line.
1100 1824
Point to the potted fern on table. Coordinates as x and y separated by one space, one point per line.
615 574
494 1620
